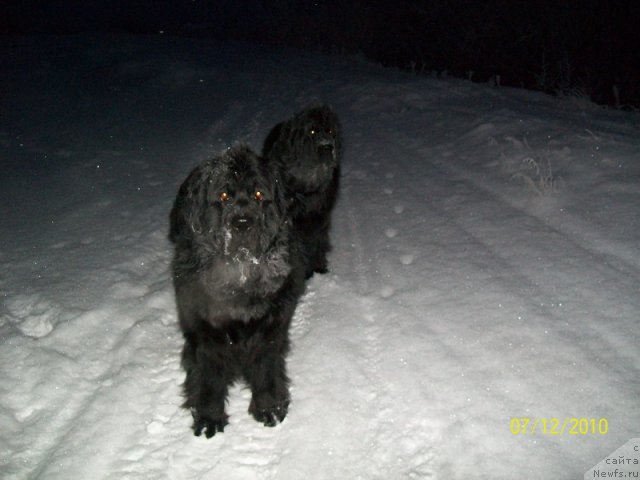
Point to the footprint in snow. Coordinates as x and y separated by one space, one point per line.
398 209
155 427
406 259
387 291
391 232
32 315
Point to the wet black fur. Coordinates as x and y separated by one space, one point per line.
309 146
237 273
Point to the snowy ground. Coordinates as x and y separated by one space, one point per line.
485 266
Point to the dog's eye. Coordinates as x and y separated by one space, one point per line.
224 196
259 196
312 131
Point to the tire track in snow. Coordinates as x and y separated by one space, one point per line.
583 235
600 265
500 242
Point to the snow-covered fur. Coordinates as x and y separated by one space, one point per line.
309 147
237 273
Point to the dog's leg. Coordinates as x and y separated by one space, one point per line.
318 245
269 384
205 388
315 245
319 262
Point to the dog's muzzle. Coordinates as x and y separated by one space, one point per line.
242 223
326 152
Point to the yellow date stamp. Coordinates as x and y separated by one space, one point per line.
558 426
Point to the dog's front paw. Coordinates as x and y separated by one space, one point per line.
209 425
270 415
319 264
310 271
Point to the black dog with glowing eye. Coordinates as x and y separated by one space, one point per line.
309 147
237 273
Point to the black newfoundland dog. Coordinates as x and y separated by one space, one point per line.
309 147
237 274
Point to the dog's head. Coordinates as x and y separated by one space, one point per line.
230 206
317 141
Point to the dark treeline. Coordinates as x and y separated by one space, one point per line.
588 47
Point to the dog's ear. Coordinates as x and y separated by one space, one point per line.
186 215
273 137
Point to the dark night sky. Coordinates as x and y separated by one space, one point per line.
583 47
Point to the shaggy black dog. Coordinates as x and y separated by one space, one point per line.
238 274
309 147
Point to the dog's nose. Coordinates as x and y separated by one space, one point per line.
242 223
325 152
325 147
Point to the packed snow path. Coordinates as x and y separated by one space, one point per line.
485 266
